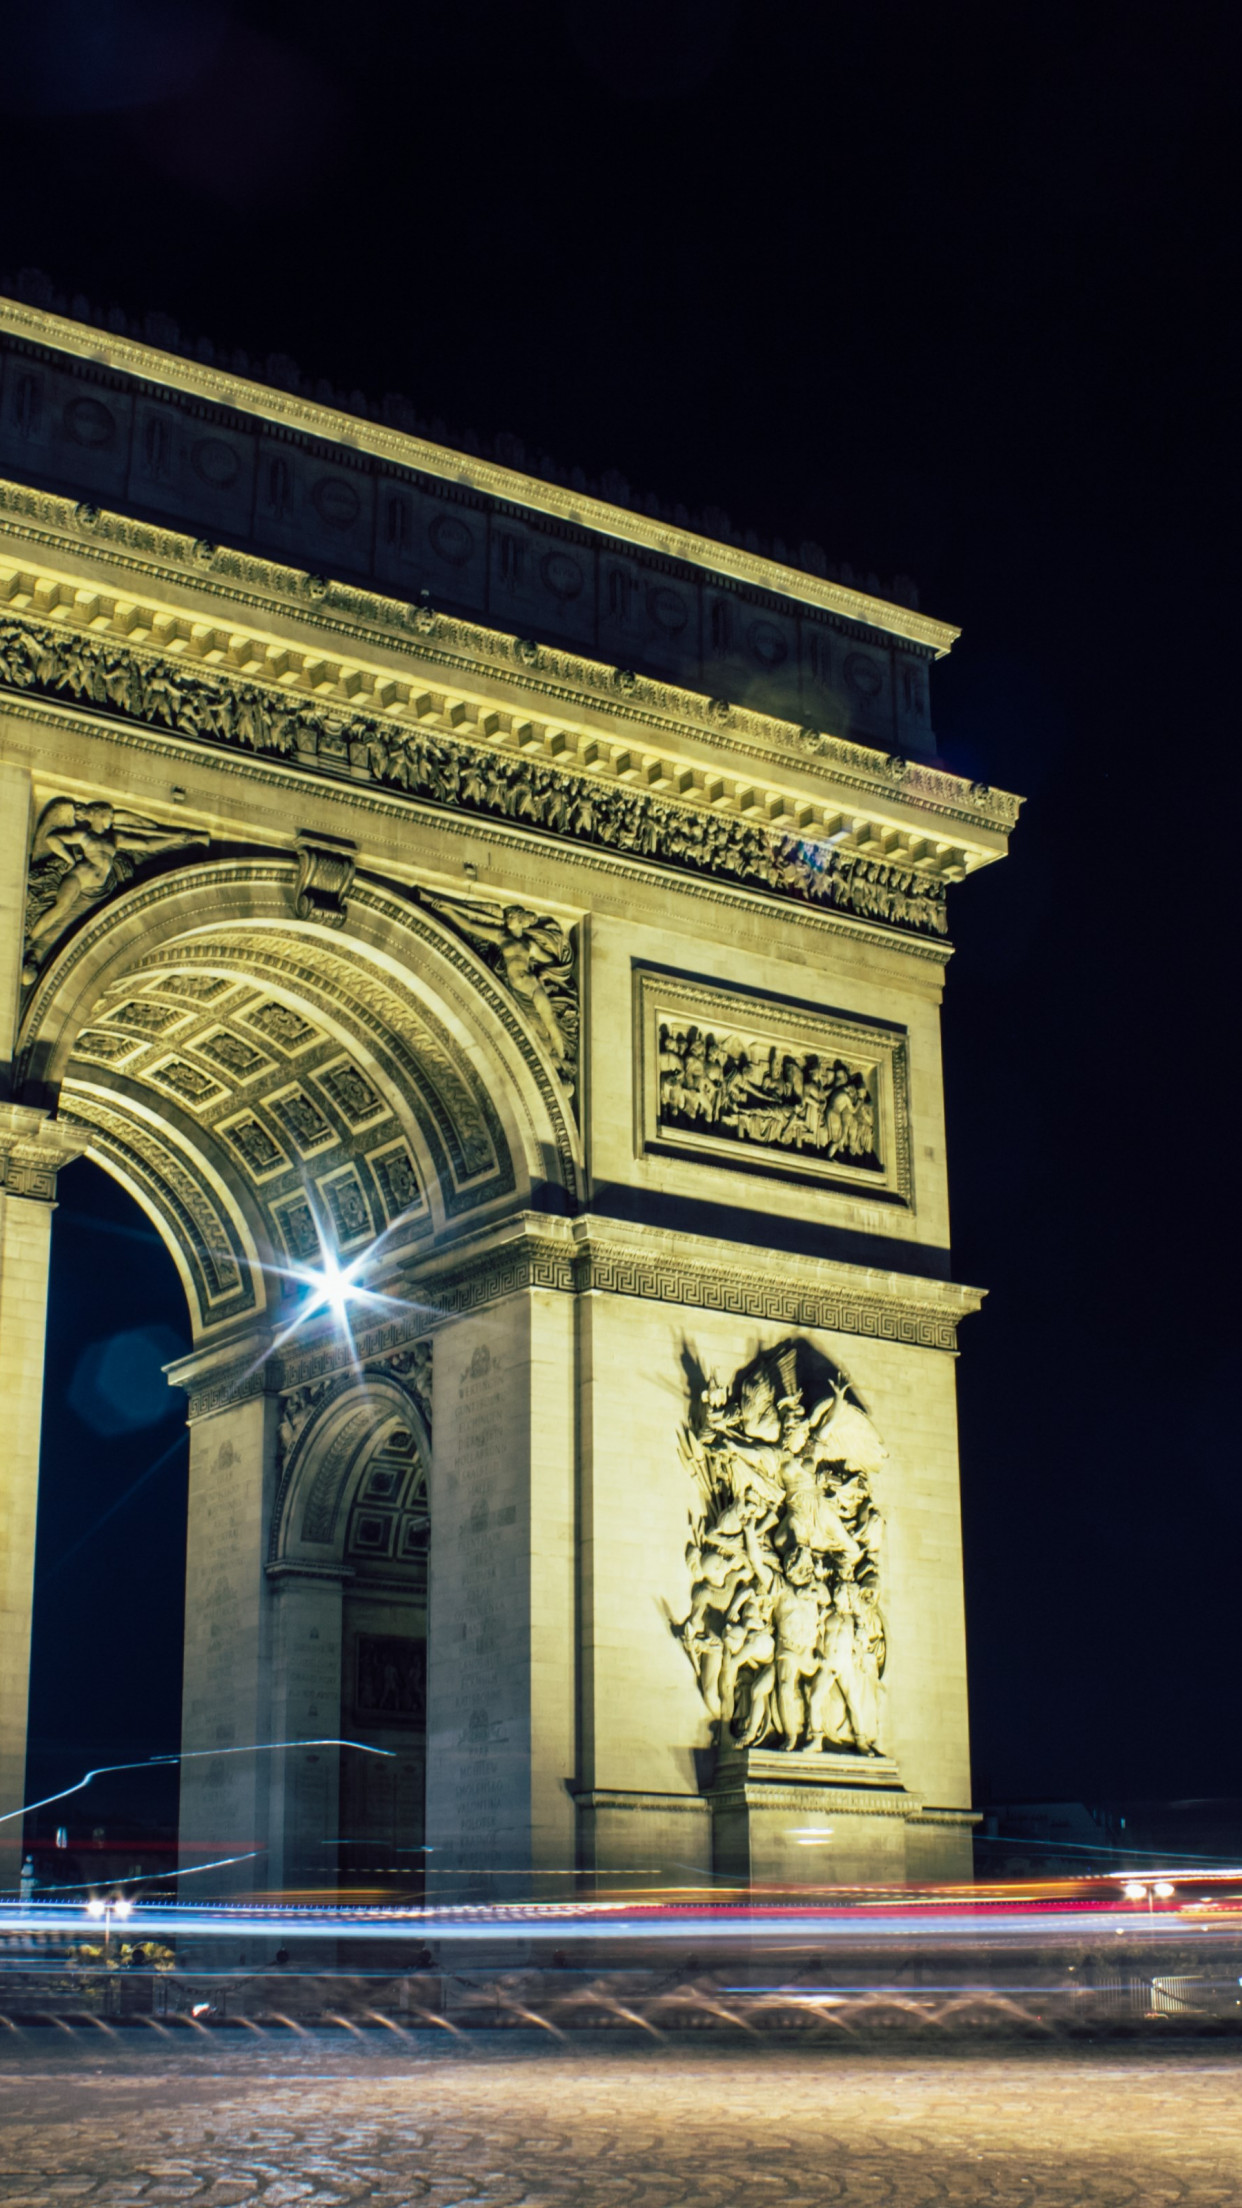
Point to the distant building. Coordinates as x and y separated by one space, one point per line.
1068 1839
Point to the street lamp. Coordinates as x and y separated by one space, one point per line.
1160 1890
114 1906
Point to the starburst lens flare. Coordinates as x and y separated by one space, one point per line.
330 1286
334 1288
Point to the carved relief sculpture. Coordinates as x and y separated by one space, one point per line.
297 1406
535 957
81 854
785 1630
390 1684
413 1365
746 1092
217 710
770 1085
326 867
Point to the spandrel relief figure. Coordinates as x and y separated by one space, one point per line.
535 957
784 1630
81 853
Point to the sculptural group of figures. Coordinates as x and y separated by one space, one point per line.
466 776
785 1630
786 1099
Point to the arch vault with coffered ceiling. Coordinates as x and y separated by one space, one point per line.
276 1093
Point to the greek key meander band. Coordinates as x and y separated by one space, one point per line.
738 1293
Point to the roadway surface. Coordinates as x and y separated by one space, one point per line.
516 2121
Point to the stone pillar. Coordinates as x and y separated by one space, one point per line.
500 1655
643 1751
305 1782
31 1151
226 1723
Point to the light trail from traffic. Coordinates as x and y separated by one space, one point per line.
896 1919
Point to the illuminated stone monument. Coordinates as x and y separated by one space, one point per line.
497 936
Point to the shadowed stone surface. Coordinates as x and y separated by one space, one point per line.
510 2125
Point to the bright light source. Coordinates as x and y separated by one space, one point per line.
335 1288
1162 1890
331 1287
95 1907
1134 1890
122 1908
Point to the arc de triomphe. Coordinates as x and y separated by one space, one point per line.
521 921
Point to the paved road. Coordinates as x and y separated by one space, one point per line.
273 2124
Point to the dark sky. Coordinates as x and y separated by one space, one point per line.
950 291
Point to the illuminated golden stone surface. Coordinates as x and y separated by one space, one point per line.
590 1021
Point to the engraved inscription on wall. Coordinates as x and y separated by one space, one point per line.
480 1775
766 1085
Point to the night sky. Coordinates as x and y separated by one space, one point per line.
948 291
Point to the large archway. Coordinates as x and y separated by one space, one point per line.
284 1096
348 1563
267 1087
108 1607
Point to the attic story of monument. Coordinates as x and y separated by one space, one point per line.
501 951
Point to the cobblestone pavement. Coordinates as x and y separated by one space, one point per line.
519 2125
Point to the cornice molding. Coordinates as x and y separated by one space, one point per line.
807 1292
33 1148
951 1819
217 1379
801 866
585 1257
834 1801
43 714
124 356
470 651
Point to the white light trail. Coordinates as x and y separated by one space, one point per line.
187 1755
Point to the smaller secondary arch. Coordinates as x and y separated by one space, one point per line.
358 1416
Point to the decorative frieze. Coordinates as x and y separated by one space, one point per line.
887 1313
237 1383
590 1256
33 1148
214 708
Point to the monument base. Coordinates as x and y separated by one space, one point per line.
662 1839
809 1818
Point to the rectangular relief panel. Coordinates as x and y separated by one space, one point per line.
769 1085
